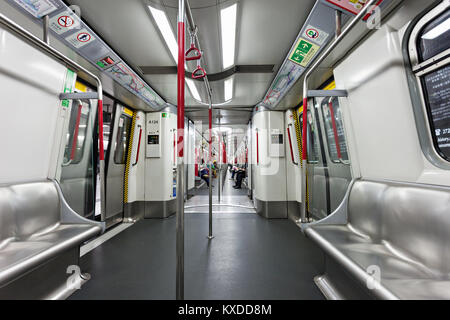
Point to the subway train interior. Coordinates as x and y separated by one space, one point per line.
225 150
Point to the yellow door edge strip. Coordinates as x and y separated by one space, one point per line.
129 153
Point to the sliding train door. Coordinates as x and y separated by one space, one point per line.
328 165
119 134
77 175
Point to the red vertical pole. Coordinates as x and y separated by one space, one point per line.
100 130
210 134
181 85
304 131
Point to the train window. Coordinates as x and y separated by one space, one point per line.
76 135
122 139
435 37
337 144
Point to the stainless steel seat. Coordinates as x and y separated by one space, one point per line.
402 230
40 237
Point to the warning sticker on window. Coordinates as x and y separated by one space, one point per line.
303 52
315 35
64 21
81 38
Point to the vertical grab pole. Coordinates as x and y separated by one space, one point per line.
304 159
180 152
210 234
219 169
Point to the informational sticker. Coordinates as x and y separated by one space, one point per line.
38 8
352 6
64 21
81 38
315 35
303 52
285 79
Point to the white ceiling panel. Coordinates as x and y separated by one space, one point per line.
266 31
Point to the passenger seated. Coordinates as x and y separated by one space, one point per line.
204 173
240 176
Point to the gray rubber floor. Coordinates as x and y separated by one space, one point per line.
250 258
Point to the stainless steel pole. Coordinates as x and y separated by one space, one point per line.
210 234
219 164
45 28
180 154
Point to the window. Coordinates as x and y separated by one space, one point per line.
76 136
122 139
435 37
334 128
432 71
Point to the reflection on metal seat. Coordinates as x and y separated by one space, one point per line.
399 229
40 237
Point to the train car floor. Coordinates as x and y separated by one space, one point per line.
249 258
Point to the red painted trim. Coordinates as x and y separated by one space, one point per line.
354 11
100 130
174 147
290 145
139 146
336 138
180 88
75 134
304 129
257 148
210 133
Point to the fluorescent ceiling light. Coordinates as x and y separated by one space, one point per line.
193 89
228 27
228 89
437 31
166 31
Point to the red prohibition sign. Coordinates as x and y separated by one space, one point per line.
65 21
84 37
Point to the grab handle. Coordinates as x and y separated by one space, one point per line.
139 146
198 73
197 56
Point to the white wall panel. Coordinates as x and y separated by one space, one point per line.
30 83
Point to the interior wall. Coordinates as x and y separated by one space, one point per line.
378 114
30 111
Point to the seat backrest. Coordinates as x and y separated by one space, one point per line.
28 208
7 221
413 218
365 207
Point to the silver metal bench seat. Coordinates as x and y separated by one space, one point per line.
402 229
36 228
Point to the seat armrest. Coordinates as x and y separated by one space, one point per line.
338 217
348 264
70 216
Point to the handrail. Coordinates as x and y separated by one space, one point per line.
311 69
47 49
290 144
139 146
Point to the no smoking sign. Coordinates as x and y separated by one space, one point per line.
64 22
